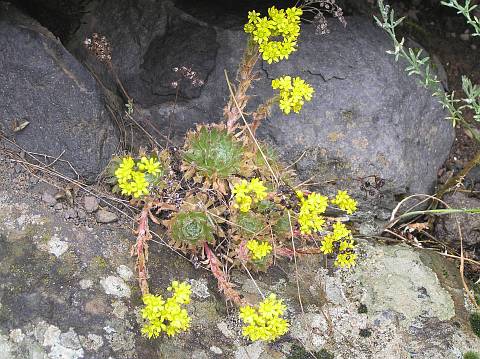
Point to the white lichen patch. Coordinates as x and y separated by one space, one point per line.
17 216
115 286
61 345
252 351
394 278
119 309
225 330
85 283
16 335
199 288
5 347
92 342
56 246
216 350
124 272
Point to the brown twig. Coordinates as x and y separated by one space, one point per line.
295 261
224 285
245 76
140 249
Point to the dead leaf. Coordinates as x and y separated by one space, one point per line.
418 226
17 126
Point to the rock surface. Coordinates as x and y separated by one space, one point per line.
43 85
367 117
446 226
68 291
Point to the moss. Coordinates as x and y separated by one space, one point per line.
476 293
365 333
298 352
99 263
475 323
471 355
347 115
362 309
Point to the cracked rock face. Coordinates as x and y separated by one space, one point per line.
85 302
43 85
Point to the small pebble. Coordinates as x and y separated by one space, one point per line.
48 198
465 37
81 214
90 203
19 168
70 213
104 216
58 207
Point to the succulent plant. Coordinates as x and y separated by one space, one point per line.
281 228
250 224
212 152
192 228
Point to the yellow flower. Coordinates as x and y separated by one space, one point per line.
345 260
311 209
293 93
256 186
258 250
139 184
149 165
181 291
276 34
345 202
124 171
327 245
166 315
341 231
264 322
346 245
133 182
243 192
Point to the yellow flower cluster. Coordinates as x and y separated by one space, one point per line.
167 315
131 176
293 93
244 191
266 32
259 250
264 322
311 209
345 202
340 240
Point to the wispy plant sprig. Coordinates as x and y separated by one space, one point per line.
466 10
421 66
472 101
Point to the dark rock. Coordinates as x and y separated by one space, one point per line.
370 128
166 71
44 84
104 216
367 116
129 39
90 203
446 229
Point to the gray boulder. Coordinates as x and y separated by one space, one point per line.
446 228
369 124
43 84
367 117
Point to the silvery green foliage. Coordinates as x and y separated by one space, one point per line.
421 66
466 10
